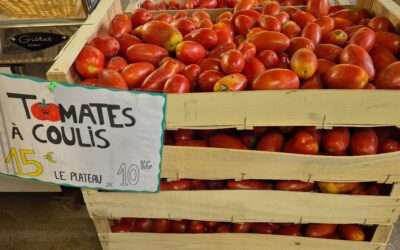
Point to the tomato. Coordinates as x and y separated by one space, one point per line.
283 17
272 8
120 24
243 23
336 141
342 23
284 61
253 68
196 227
223 228
198 185
381 57
206 24
208 78
324 65
290 230
175 185
262 228
297 43
224 15
211 226
232 82
191 71
143 225
219 50
241 227
296 186
337 36
161 34
244 5
46 111
389 40
173 61
291 29
271 141
163 17
210 63
248 50
126 40
304 63
192 143
120 228
208 4
183 135
389 78
347 14
248 184
146 53
318 8
177 84
206 37
271 23
89 62
140 16
134 74
190 52
380 23
184 25
326 24
303 142
216 185
357 55
302 18
351 232
313 32
232 61
201 15
156 80
364 37
389 145
320 230
338 187
111 79
328 51
89 82
313 83
116 63
364 141
108 45
161 226
346 76
276 79
225 141
269 58
178 226
270 40
249 139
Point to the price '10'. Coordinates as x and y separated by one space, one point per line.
20 159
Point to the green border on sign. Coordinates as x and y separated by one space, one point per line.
73 85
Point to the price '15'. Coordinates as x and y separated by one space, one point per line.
20 159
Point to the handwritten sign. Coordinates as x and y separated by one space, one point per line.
71 135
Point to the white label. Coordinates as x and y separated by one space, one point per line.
71 135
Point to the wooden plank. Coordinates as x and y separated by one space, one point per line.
321 108
386 8
247 206
215 163
14 184
149 241
382 234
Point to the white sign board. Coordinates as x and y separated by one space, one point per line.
84 137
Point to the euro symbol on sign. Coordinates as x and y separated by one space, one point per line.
49 157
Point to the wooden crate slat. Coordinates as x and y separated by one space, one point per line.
215 163
247 206
148 241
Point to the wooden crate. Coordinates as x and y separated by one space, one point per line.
244 110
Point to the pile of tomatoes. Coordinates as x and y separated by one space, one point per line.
338 141
328 231
245 49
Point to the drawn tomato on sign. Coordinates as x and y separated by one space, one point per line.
46 111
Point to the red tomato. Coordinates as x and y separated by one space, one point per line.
382 57
143 225
345 76
276 79
120 24
271 23
224 33
183 135
290 230
241 227
175 185
326 23
380 23
190 52
146 53
253 68
225 141
191 72
284 61
244 5
184 25
177 84
111 79
196 227
269 58
302 143
248 184
295 186
89 62
337 36
192 143
263 228
223 228
364 141
120 228
271 141
232 82
389 77
211 226
318 8
324 65
342 23
216 185
357 55
291 29
297 43
178 226
272 8
271 40
320 230
205 36
210 63
336 141
243 24
247 49
164 17
248 138
46 111
201 15
351 232
89 82
313 32
208 4
208 78
232 61
328 51
283 17
302 18
126 40
108 45
313 83
198 185
218 51
389 145
140 16
161 226
364 37
134 74
117 63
